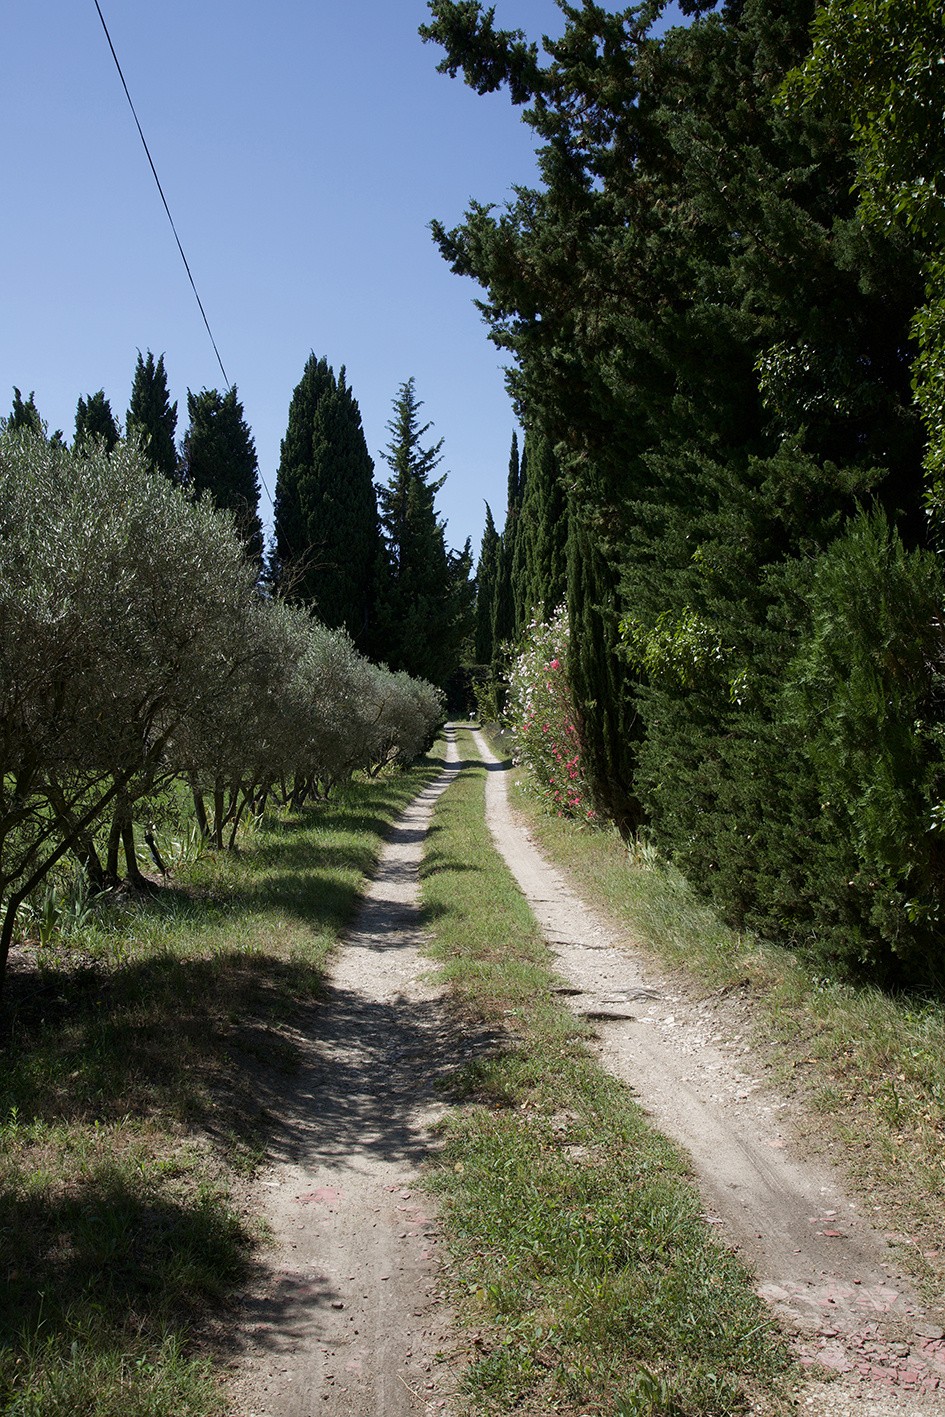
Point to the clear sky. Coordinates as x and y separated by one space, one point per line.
304 146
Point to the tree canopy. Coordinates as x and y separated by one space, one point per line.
427 596
94 420
152 418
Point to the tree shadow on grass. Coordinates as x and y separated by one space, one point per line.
243 1048
165 1039
113 1248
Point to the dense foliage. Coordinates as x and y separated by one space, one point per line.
94 419
713 335
327 539
218 460
152 418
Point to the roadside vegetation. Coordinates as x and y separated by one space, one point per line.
869 1065
581 1262
146 1040
721 308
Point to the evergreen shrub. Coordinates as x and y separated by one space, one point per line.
864 694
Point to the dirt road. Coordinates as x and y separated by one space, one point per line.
833 1280
345 1319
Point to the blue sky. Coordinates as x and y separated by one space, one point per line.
303 146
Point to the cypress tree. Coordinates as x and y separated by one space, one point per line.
608 725
487 571
94 421
295 467
218 459
540 572
152 418
327 535
505 623
25 414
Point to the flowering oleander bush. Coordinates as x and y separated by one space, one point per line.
542 718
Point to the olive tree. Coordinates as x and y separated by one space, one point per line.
122 611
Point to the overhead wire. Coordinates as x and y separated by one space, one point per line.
154 171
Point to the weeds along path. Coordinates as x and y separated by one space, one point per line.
345 1318
833 1281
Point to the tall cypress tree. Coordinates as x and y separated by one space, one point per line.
427 610
25 414
296 460
327 535
487 572
94 421
540 569
219 459
505 622
152 417
609 727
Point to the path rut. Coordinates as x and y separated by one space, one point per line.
345 1319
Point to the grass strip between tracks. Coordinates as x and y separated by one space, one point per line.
143 1058
581 1261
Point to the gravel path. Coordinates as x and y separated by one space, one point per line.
345 1319
832 1279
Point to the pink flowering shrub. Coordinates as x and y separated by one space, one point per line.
541 715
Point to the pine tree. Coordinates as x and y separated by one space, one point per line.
218 459
95 422
427 612
152 418
327 535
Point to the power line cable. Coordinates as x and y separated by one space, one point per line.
144 144
157 179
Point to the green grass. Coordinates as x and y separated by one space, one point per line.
869 1067
581 1262
141 1057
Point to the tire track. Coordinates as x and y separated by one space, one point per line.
346 1318
832 1279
